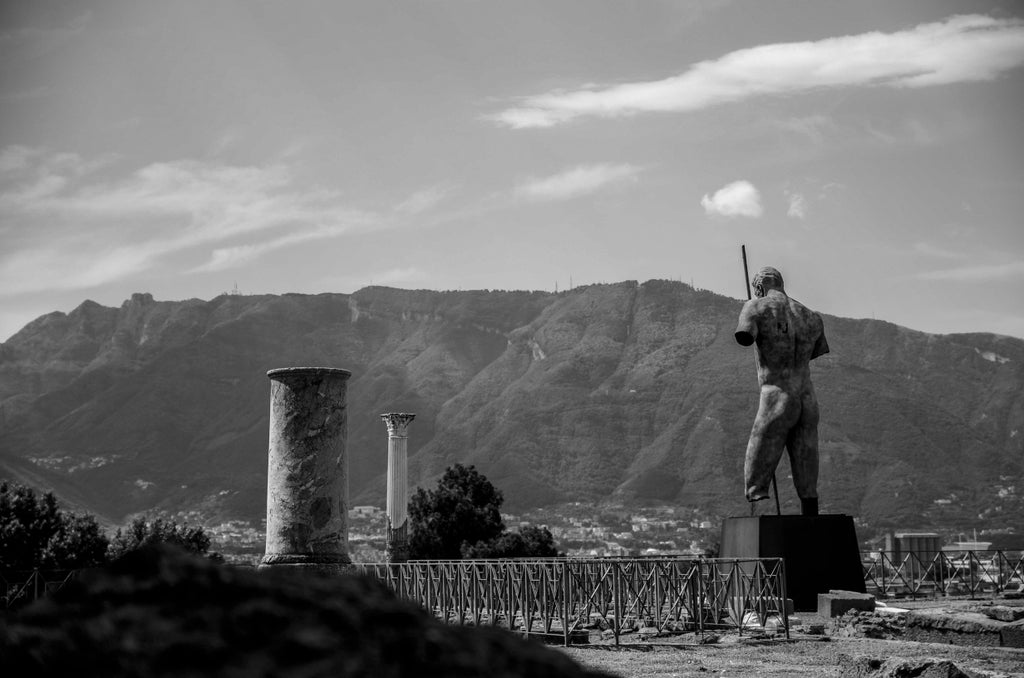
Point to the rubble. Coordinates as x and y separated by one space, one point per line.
858 624
870 667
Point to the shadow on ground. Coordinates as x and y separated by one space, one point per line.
162 612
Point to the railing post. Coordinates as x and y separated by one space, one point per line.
657 595
971 562
616 600
564 566
781 579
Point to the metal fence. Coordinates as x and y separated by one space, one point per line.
560 597
21 588
969 573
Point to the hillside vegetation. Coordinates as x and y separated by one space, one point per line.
635 393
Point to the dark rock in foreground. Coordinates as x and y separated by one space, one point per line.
868 667
165 613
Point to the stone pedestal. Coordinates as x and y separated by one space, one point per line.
821 552
397 550
307 474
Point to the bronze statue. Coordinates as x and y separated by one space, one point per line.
787 336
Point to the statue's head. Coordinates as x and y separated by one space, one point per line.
766 279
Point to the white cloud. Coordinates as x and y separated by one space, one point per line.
229 257
738 199
963 48
70 228
981 273
797 205
423 200
577 181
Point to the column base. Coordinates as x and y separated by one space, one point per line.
324 563
396 553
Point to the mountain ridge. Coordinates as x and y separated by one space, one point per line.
631 392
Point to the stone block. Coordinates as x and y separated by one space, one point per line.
1012 635
837 603
1003 613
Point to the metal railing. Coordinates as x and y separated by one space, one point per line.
561 597
970 573
21 588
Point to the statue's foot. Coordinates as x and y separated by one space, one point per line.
753 499
809 507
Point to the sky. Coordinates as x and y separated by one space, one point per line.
872 151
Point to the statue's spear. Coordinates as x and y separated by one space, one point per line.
746 279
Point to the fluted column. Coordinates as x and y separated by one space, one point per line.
398 485
307 469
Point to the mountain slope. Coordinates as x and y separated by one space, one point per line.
625 391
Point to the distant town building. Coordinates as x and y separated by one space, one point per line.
968 546
924 545
918 549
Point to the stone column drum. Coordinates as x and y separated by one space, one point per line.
307 473
397 550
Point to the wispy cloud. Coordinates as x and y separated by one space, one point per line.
394 276
981 273
230 257
930 250
797 205
77 228
963 48
424 199
577 181
738 199
34 41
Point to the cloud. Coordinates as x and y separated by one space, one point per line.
963 48
982 273
423 200
738 199
797 205
577 181
930 250
229 257
397 275
69 227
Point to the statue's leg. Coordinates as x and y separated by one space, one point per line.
803 454
767 441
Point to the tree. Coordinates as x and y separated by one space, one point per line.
464 509
142 533
528 542
36 534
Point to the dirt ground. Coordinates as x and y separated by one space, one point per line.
754 655
798 657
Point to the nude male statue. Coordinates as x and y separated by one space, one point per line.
788 335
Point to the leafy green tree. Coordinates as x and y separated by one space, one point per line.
464 509
142 533
36 534
528 542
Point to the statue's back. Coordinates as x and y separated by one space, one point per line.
788 332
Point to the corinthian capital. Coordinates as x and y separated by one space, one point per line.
398 423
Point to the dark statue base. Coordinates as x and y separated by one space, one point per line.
821 552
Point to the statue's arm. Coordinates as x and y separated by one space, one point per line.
821 345
746 327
